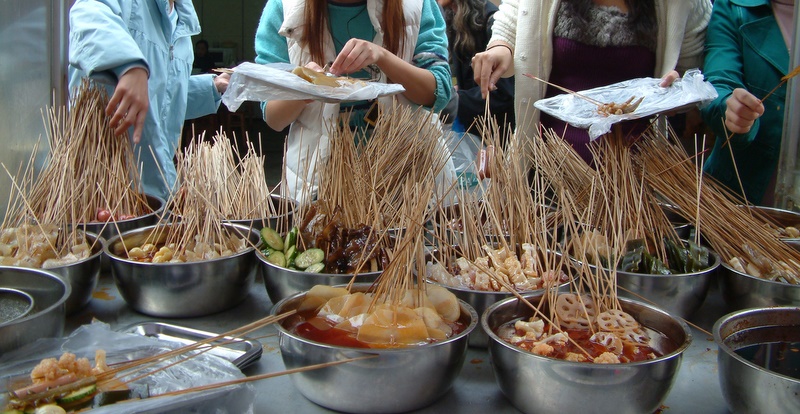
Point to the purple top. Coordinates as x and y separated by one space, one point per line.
578 66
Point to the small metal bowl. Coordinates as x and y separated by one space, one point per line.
542 385
182 290
112 229
397 380
680 294
282 282
49 293
14 304
481 300
742 291
83 275
758 348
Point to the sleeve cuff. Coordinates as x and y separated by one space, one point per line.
122 69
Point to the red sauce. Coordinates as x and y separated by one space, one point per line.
309 326
581 338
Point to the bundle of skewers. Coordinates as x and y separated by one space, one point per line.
233 183
360 192
89 176
723 219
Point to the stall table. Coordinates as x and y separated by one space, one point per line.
696 388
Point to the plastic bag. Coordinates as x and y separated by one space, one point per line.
200 370
254 82
686 92
464 148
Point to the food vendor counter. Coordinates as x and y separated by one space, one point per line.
696 388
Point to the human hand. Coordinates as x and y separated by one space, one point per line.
669 78
488 66
356 55
129 103
221 82
742 111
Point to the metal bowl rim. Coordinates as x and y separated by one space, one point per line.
110 222
60 302
723 346
674 354
756 278
389 351
117 258
492 292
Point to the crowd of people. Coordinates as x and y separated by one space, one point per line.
463 57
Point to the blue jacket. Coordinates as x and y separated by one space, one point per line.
109 36
745 49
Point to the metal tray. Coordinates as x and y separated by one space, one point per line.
239 351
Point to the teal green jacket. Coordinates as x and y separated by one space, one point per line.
745 49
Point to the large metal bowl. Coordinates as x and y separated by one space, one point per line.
397 380
742 291
750 341
182 290
282 282
49 292
83 275
112 229
538 384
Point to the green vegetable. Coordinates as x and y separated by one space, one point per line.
316 268
78 394
309 257
277 258
272 239
291 239
291 255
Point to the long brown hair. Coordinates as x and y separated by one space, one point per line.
316 17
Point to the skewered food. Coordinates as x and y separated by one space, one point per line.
613 108
317 78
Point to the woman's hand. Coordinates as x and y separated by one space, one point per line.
128 106
356 55
221 82
488 66
669 78
743 110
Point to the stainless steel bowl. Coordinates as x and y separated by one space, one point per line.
14 304
537 384
282 282
83 275
274 222
182 290
46 320
742 291
757 355
397 380
680 294
109 230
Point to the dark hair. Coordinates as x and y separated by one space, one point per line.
642 13
316 19
201 42
466 27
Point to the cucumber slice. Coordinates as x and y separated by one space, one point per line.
291 256
272 238
291 239
316 268
78 394
277 258
309 257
